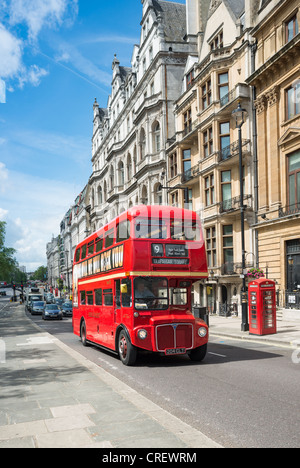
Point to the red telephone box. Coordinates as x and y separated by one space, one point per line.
262 307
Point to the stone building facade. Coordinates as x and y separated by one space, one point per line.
129 136
203 155
276 80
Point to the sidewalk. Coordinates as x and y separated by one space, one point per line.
288 331
52 397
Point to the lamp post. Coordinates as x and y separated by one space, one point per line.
240 117
68 283
291 264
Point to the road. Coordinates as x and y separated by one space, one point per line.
242 395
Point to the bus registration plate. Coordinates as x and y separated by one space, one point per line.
172 351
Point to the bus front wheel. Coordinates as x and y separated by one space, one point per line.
127 352
198 354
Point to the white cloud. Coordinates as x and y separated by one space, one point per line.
10 53
40 13
3 214
33 208
3 177
32 75
35 15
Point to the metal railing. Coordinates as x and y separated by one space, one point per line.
231 150
289 210
230 268
292 299
190 173
233 204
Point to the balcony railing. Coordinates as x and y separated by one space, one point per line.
289 210
231 150
233 204
190 174
230 268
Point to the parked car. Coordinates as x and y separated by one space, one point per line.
67 309
52 311
37 308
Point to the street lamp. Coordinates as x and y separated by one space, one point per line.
240 116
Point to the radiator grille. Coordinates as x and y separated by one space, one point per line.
171 336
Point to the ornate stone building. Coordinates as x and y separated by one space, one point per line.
276 80
203 169
129 136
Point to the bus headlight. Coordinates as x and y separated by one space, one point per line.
202 332
142 334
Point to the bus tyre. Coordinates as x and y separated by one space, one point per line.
83 333
127 352
198 354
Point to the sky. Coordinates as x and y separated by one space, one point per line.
55 59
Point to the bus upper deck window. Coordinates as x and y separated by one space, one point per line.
109 238
123 231
77 255
150 229
91 248
185 230
99 244
83 252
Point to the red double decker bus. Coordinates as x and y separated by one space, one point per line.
132 283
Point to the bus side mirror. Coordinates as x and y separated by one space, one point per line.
124 288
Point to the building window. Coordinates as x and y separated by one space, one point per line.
157 138
206 94
209 182
292 99
143 144
294 180
226 190
173 165
217 42
228 247
186 160
187 122
174 199
223 86
211 247
151 54
291 29
189 79
188 199
208 142
225 139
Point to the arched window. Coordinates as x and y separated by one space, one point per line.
105 191
129 167
121 173
156 137
142 144
112 178
158 199
144 199
100 195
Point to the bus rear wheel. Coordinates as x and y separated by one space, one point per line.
127 352
198 354
83 333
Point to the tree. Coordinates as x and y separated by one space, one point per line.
8 263
40 274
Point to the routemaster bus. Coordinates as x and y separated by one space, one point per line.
132 282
